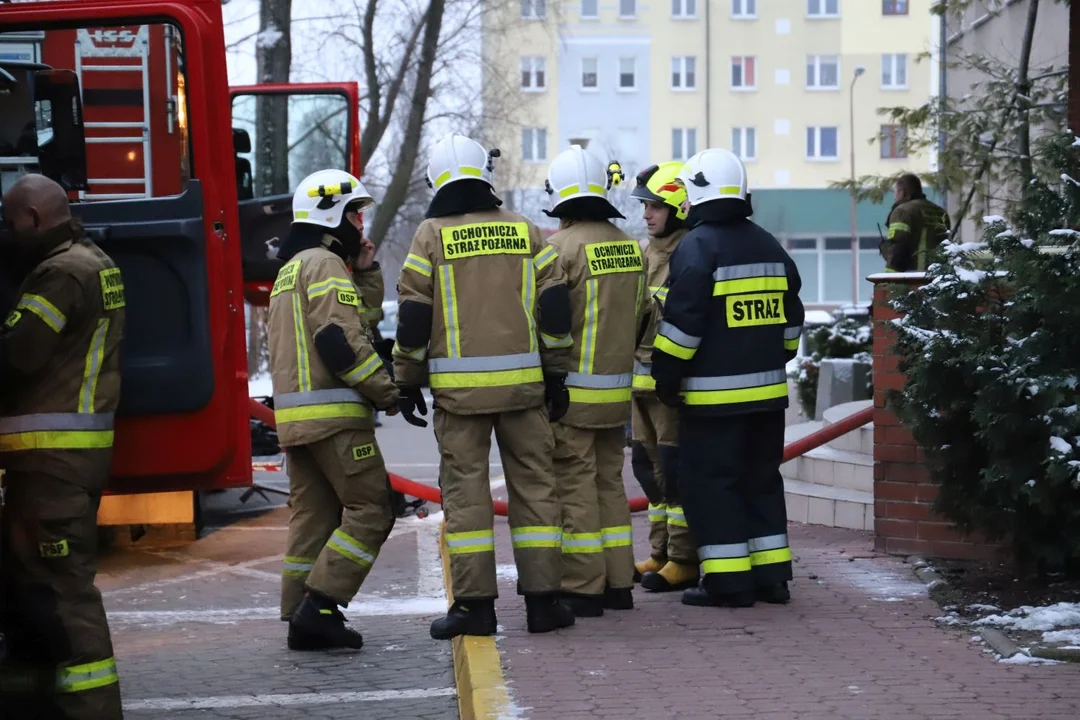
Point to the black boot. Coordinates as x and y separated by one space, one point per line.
700 597
318 618
619 598
303 641
544 613
776 594
466 617
584 605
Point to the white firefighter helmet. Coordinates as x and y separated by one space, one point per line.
577 173
322 198
456 157
714 174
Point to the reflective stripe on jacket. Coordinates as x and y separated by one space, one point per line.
605 274
657 254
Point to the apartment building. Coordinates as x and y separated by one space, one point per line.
777 81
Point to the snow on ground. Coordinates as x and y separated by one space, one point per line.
1072 637
260 386
1026 617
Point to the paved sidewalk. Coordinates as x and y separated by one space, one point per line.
857 641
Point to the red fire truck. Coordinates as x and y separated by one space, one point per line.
186 183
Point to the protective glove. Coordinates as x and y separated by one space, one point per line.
556 395
668 394
409 399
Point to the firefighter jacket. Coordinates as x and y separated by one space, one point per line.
605 273
732 317
372 291
657 254
60 360
483 313
327 376
916 227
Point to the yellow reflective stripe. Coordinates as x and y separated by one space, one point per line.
588 334
791 344
330 285
363 371
644 382
660 293
328 411
57 440
657 513
77 678
297 566
900 226
920 262
536 536
493 378
418 264
443 177
418 354
770 557
95 356
616 536
303 367
745 285
725 565
740 395
640 292
545 257
351 548
675 516
550 341
528 299
473 541
370 313
44 309
582 543
592 395
671 347
450 313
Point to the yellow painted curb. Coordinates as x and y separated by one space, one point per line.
481 687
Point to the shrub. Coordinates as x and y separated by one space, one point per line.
846 338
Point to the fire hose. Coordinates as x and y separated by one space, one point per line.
638 504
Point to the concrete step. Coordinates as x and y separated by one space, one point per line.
857 441
816 504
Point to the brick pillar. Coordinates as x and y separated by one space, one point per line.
904 523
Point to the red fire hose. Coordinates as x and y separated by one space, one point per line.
431 494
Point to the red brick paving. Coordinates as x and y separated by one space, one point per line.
857 641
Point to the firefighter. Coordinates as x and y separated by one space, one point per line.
369 282
916 227
604 270
484 317
60 377
654 453
732 320
327 379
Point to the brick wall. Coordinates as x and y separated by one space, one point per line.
903 491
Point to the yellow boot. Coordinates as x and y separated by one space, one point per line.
649 565
673 576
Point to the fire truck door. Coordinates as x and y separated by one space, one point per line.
281 134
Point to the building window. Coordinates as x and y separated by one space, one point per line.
684 8
823 72
892 142
627 8
894 7
742 73
684 73
590 8
744 142
627 73
744 8
821 143
533 75
823 8
534 144
533 9
894 71
683 143
590 73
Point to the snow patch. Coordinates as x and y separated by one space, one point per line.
269 37
1072 637
991 219
1060 445
980 607
1026 617
1023 659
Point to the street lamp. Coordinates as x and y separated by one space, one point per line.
854 204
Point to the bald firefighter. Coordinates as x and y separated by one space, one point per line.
484 316
59 391
327 379
604 270
672 562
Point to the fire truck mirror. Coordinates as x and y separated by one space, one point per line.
59 119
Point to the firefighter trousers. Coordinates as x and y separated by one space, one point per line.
525 445
62 664
597 548
339 498
734 499
655 461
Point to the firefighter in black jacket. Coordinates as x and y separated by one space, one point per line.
732 320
